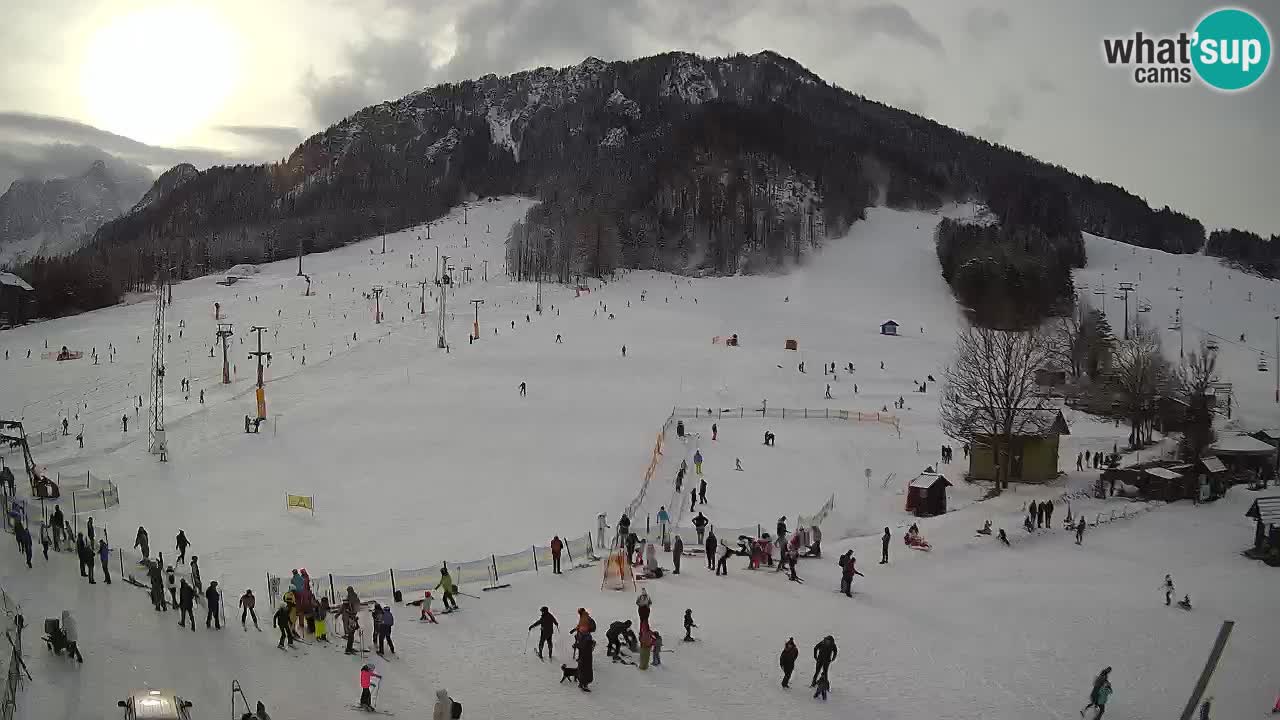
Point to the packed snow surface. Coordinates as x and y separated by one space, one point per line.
416 455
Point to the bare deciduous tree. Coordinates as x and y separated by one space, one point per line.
1068 344
1196 377
1141 374
989 390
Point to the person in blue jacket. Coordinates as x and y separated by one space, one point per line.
697 461
663 517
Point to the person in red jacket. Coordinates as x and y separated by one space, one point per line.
557 546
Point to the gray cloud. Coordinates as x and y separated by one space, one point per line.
31 128
30 161
275 136
897 22
983 24
1001 116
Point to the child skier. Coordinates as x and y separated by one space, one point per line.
689 625
367 674
427 615
1167 586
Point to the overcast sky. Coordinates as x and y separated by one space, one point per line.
155 83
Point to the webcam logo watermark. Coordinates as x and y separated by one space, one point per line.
1229 50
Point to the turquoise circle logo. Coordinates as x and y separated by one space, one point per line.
1232 49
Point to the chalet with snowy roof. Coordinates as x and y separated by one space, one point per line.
927 494
1033 454
15 296
1265 512
888 327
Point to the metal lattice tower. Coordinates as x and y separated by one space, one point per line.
155 417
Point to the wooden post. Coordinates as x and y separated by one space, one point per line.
1209 666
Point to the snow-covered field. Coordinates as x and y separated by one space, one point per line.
415 455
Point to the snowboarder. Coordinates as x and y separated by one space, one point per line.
141 542
367 674
643 606
1167 586
548 623
557 546
787 661
677 550
884 547
689 625
446 584
213 602
710 547
1080 530
72 637
247 604
824 653
186 605
697 461
182 544
104 555
702 491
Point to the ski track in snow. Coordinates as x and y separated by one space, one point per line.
415 456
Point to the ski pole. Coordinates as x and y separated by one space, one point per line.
526 641
468 595
376 688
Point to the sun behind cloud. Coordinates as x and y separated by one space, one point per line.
160 73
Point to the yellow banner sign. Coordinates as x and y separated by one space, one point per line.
306 502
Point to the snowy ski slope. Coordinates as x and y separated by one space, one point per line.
415 455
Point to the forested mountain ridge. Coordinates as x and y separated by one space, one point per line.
676 162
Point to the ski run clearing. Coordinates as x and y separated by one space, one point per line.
414 455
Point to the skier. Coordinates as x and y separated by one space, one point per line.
697 461
69 632
715 432
710 548
213 602
615 636
548 623
680 476
601 526
788 661
584 644
426 614
446 584
1080 530
172 581
195 575
247 604
828 395
321 613
157 588
1048 514
104 555
523 388
124 422
702 490
367 675
1100 693
182 543
350 622
722 565
140 542
279 620
677 550
624 528
44 540
388 623
824 653
643 606
1167 586
689 625
631 541
186 604
884 547
556 548
624 351
737 464
24 542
